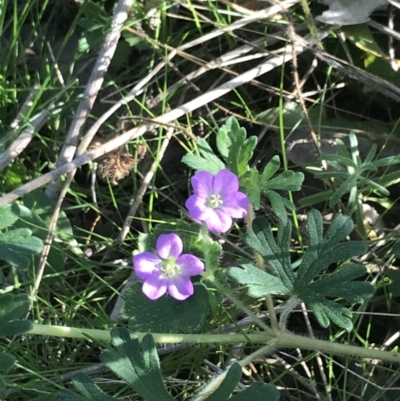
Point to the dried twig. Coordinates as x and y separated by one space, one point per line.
92 88
188 107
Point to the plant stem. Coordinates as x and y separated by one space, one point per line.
260 264
282 340
104 335
286 339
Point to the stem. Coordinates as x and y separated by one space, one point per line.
295 341
283 340
209 269
260 264
104 335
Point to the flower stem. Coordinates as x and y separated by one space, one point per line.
209 268
260 264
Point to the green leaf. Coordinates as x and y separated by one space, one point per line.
228 384
36 214
249 181
286 181
16 175
16 244
258 281
276 254
332 284
9 214
374 185
388 179
140 368
316 198
340 159
90 390
255 183
270 169
166 314
6 362
326 310
258 391
279 204
67 395
234 147
208 160
344 188
324 250
3 384
12 307
387 161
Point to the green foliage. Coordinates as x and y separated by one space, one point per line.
165 315
305 283
95 23
12 308
236 150
16 245
293 118
258 391
139 366
208 161
353 176
36 214
257 184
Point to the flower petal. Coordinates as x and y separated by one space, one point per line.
235 205
197 208
155 286
180 287
219 222
202 183
169 246
190 265
145 264
225 182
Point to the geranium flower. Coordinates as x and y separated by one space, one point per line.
217 200
168 269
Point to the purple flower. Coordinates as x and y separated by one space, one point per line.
216 200
168 270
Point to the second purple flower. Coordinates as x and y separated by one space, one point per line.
217 200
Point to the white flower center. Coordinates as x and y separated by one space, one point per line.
215 201
169 268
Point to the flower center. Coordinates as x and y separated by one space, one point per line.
169 268
215 201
